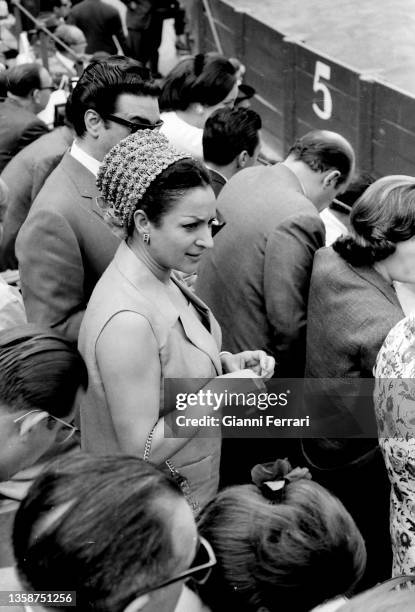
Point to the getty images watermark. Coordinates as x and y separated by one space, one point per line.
215 401
288 408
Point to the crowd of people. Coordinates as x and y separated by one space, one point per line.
143 241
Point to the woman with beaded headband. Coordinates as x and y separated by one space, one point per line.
143 325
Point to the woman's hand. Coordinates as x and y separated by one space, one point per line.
259 362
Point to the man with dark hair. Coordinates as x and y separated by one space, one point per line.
29 87
256 278
114 530
40 375
231 142
65 245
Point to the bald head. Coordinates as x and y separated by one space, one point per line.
322 150
72 37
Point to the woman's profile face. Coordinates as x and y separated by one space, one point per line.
400 266
185 231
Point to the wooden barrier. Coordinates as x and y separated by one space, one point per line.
299 89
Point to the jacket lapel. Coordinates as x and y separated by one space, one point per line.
85 183
200 333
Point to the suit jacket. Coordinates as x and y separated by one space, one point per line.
25 175
18 128
99 22
350 312
218 181
63 248
256 278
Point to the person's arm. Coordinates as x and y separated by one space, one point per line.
51 272
288 264
128 360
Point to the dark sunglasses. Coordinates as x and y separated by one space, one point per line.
136 125
50 87
199 571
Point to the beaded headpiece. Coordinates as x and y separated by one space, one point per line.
128 170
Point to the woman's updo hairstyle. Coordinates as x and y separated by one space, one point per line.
143 171
282 543
383 216
204 78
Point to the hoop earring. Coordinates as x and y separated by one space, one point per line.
146 238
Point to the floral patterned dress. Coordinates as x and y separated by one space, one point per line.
394 400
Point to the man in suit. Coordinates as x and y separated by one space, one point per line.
231 142
29 87
100 23
272 232
65 245
256 278
25 176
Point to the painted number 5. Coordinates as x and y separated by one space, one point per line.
322 72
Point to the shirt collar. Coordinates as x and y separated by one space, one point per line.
90 163
217 172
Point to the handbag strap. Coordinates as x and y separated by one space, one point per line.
175 474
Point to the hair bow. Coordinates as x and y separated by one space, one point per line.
272 478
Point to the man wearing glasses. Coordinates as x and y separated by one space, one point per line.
64 245
114 530
40 375
29 87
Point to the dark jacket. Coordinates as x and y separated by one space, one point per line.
350 312
25 175
99 22
18 128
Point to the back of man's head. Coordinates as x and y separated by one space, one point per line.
100 85
23 79
70 35
39 370
228 132
100 526
322 150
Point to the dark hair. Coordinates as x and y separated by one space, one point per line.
100 85
23 79
169 187
291 555
39 369
383 216
204 78
98 526
322 151
228 132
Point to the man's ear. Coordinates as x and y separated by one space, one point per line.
242 159
93 122
331 178
31 421
137 604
